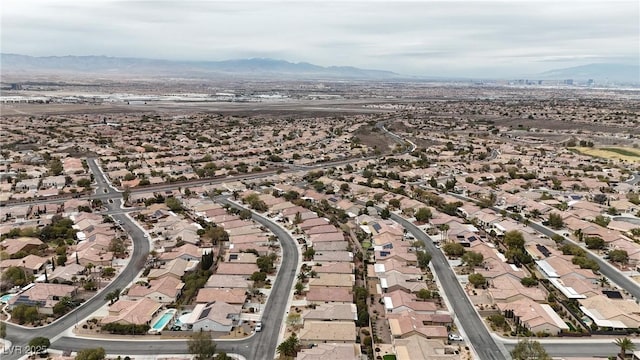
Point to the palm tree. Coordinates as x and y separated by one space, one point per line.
625 345
603 281
444 228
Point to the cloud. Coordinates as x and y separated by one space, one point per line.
417 37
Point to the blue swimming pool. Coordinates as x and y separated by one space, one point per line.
5 298
164 319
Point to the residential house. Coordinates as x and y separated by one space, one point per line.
213 316
234 296
318 332
332 312
611 313
331 351
44 296
536 317
165 290
138 312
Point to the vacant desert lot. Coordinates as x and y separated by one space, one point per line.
622 153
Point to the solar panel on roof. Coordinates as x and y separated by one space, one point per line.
377 226
612 294
543 250
204 313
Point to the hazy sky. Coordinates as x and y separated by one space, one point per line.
453 38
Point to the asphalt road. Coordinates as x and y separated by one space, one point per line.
20 336
264 343
606 268
261 345
474 328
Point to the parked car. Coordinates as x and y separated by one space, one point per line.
258 327
455 337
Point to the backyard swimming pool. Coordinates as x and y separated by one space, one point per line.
5 298
163 320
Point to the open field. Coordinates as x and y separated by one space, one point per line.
622 153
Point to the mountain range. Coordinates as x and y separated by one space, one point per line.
261 68
255 67
621 73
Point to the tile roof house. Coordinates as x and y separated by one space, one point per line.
164 290
408 323
614 313
417 347
332 280
26 244
332 312
329 295
506 288
226 268
398 301
213 316
235 296
43 295
534 316
331 351
333 267
228 281
175 268
31 264
132 312
318 332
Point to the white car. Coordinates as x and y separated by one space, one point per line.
258 327
455 337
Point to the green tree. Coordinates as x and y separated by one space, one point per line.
424 258
39 344
290 346
126 194
602 220
14 276
55 167
514 239
216 234
559 239
245 214
625 344
299 287
594 242
258 276
173 204
472 259
619 256
529 281
423 294
477 280
25 314
91 354
453 249
528 350
3 329
385 214
555 221
112 296
201 346
266 263
423 214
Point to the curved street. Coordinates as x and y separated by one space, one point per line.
473 326
262 345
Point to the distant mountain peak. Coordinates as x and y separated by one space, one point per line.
599 72
258 66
